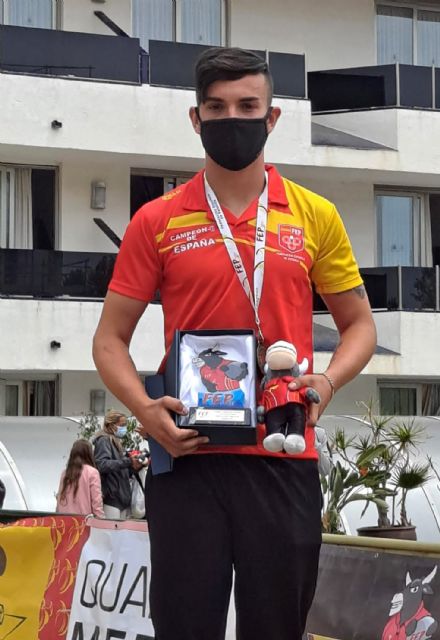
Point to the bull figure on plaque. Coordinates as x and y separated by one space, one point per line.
283 411
221 379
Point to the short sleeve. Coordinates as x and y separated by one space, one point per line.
137 272
335 268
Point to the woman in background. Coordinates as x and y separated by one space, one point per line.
80 484
115 467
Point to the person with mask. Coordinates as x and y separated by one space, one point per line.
236 247
114 466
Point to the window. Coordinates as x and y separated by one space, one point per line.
30 398
408 227
147 186
29 13
412 399
12 404
398 401
27 208
409 35
192 21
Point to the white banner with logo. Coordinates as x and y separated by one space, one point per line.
111 597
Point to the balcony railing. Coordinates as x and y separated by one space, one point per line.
171 64
390 85
68 53
50 274
121 58
399 288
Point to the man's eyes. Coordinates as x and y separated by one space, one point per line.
245 107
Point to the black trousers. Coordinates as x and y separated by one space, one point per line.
260 516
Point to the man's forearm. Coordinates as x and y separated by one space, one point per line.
118 372
356 346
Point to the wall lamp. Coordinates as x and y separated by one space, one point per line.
97 194
56 124
54 344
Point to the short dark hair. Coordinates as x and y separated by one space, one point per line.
228 63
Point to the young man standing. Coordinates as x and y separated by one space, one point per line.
238 507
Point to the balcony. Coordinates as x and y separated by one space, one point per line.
50 274
71 54
399 289
171 64
120 58
382 86
38 273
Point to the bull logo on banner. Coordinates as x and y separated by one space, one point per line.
409 618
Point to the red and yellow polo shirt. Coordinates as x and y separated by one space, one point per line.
173 244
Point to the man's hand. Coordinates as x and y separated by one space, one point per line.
322 386
156 421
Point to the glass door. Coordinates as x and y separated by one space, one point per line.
398 230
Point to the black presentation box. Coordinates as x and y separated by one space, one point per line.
222 399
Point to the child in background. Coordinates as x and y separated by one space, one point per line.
80 483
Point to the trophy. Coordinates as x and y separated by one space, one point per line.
216 381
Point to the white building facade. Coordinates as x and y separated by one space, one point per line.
94 121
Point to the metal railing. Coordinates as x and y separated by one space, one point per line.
39 273
380 86
399 289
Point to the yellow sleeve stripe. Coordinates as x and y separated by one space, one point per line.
188 220
341 287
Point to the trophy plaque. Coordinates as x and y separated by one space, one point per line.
214 375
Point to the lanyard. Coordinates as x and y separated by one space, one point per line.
260 246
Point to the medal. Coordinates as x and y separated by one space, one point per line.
261 355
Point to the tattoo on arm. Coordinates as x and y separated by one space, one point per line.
360 291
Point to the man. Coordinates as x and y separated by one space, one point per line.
240 507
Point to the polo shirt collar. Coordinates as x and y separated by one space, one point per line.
194 198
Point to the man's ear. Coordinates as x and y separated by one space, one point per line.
195 120
272 119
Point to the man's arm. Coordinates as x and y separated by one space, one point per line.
119 318
351 312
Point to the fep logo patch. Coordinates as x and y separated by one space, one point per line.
291 238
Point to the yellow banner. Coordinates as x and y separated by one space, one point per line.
26 557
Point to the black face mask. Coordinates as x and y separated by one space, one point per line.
234 143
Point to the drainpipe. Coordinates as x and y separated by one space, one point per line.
399 287
437 287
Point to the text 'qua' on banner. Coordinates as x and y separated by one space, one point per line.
111 596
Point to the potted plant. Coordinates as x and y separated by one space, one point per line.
377 466
342 486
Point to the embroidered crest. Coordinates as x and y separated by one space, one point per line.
291 238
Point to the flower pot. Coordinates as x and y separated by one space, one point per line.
396 531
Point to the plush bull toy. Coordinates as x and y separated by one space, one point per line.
284 411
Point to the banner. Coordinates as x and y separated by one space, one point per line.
112 584
376 594
38 563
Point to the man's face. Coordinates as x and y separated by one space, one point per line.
247 97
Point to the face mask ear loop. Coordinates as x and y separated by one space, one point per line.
196 110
